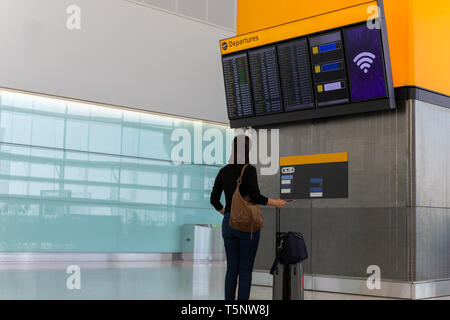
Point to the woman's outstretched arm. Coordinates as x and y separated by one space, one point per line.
216 193
254 193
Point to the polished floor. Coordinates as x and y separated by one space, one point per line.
171 280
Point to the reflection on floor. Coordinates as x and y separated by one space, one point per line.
172 280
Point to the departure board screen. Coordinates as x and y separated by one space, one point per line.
295 74
329 71
365 63
265 80
237 86
334 72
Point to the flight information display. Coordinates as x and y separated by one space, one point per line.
328 65
295 74
237 85
266 80
365 63
336 72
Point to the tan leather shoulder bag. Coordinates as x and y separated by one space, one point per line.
245 216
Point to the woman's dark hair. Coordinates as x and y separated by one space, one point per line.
238 157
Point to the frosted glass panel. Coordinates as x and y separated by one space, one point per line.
83 178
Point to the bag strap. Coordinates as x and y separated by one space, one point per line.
277 259
242 174
275 263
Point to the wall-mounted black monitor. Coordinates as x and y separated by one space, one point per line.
331 73
237 86
295 74
366 66
266 80
328 65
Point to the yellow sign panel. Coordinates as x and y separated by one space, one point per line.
313 159
299 28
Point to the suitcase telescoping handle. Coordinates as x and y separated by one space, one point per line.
277 230
277 243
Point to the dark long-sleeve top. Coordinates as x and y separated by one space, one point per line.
226 181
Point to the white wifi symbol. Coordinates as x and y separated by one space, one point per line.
364 60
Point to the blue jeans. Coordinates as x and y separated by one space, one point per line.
241 253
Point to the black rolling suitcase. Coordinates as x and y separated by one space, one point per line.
288 278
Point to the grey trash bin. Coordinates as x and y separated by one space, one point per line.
202 242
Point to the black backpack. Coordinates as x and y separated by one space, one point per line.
292 250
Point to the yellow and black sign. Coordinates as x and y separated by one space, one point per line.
298 28
315 176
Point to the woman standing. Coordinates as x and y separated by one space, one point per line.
240 247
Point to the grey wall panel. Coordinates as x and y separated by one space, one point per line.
266 248
374 225
378 147
432 243
398 212
378 164
163 4
222 12
294 140
268 186
193 8
432 152
347 241
344 242
432 174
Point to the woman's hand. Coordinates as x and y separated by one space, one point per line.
277 203
280 203
222 211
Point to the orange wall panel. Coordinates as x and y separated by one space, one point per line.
418 32
397 15
255 15
430 43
